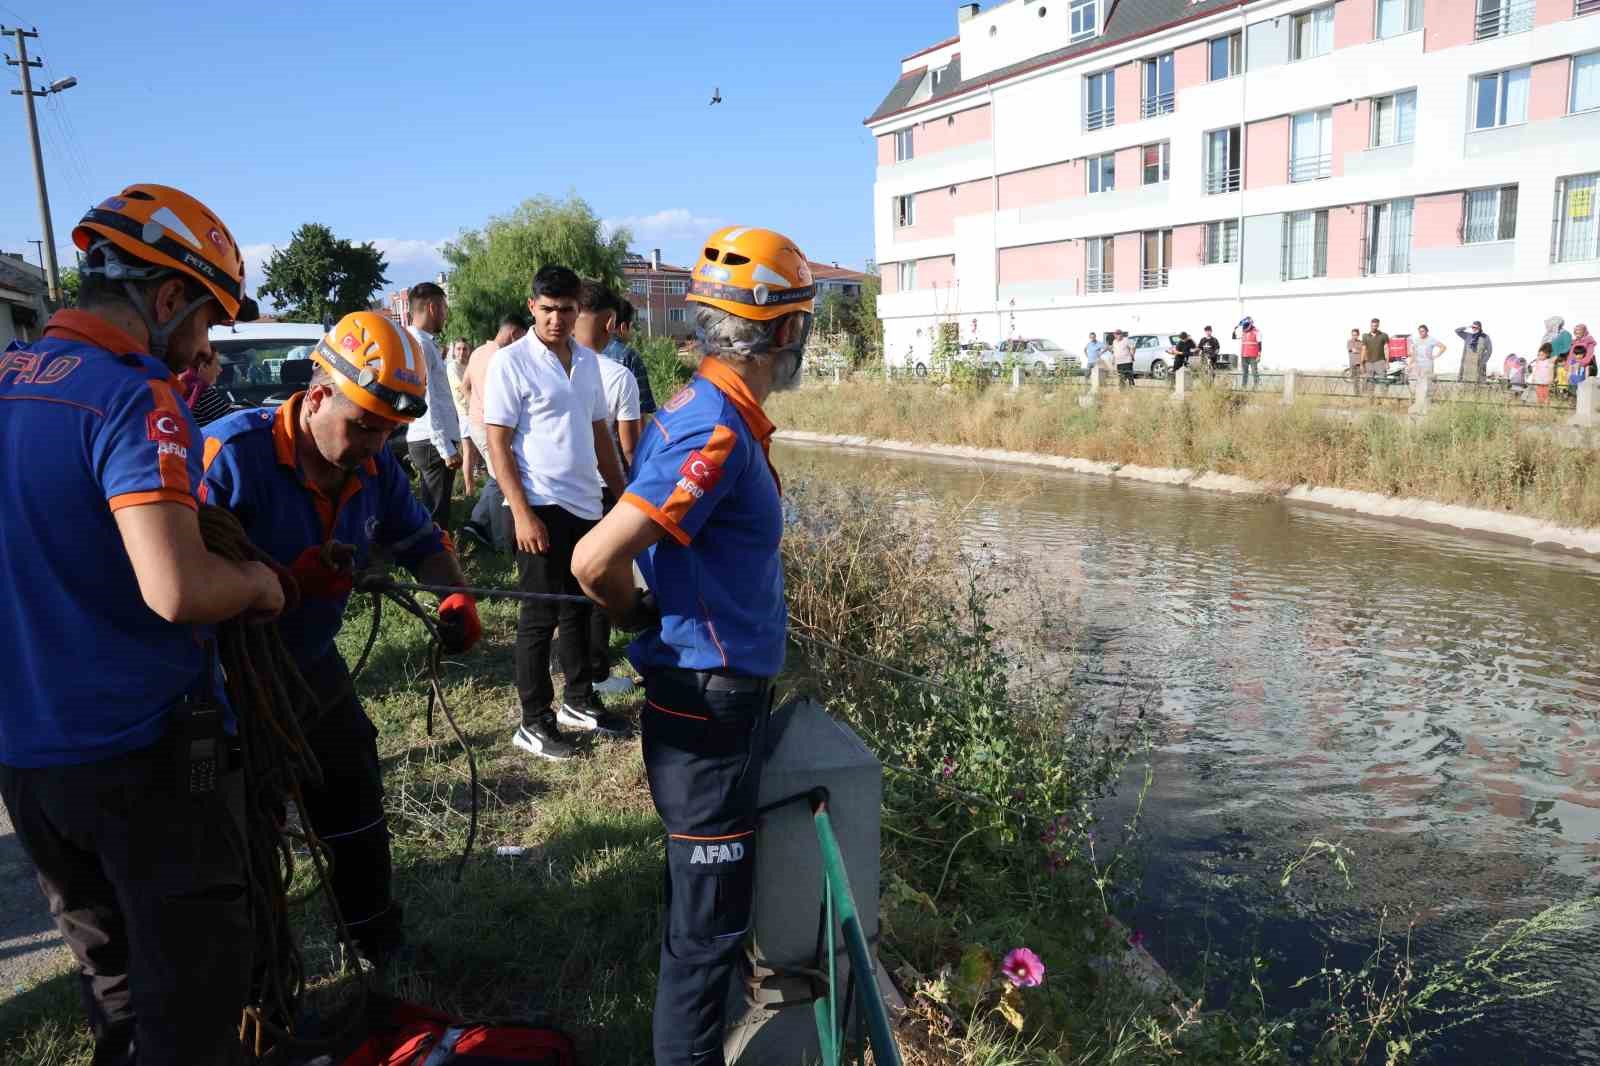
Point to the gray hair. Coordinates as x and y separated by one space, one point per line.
729 337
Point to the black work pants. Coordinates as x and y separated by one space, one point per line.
346 809
147 885
551 572
703 754
435 480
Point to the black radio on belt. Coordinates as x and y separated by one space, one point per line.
198 741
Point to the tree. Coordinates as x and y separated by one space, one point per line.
70 284
320 277
492 268
852 323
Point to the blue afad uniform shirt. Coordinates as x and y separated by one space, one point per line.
88 425
251 469
703 475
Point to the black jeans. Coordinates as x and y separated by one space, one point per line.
147 885
1124 374
491 514
434 480
346 810
536 622
703 753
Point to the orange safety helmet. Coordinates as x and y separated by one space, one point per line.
753 273
168 230
377 365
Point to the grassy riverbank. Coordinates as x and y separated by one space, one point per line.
1469 454
991 841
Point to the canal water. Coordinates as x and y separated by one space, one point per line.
1426 699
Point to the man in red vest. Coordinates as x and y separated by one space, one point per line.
1249 338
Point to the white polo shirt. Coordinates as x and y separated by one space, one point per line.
438 425
552 417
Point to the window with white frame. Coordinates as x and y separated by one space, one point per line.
1311 33
1500 99
1156 76
1489 215
1311 145
1222 148
639 287
1099 100
1496 18
677 286
1221 242
1394 119
904 144
1389 238
1577 235
1103 172
1085 19
1305 245
677 314
1100 264
1157 162
905 211
1155 254
1398 16
1585 94
907 279
1224 57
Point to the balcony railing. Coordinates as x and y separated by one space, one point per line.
1153 278
1585 7
1160 104
1099 119
1515 16
1311 167
1099 281
1219 181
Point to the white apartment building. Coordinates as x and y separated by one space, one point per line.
1062 166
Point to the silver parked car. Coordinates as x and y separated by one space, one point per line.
1036 355
1151 358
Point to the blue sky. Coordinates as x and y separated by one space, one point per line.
404 123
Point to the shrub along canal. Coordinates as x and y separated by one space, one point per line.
1426 699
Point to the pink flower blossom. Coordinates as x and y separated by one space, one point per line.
949 767
1023 968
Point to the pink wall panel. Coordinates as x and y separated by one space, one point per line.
1548 11
937 210
1547 89
1024 188
1189 67
1445 24
1351 131
953 131
1126 273
1127 93
1437 221
1129 172
938 272
972 198
886 150
1038 262
1344 241
1266 153
1354 22
889 274
1187 244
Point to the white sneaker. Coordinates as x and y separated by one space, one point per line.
592 718
545 741
615 685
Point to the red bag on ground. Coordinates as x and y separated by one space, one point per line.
416 1036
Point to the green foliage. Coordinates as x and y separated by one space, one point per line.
70 284
851 324
492 268
668 373
320 277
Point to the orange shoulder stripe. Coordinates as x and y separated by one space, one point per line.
658 516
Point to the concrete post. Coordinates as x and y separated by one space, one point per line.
1092 397
1016 378
1585 417
1288 388
1180 385
837 374
808 750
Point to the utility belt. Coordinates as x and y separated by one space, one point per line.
712 681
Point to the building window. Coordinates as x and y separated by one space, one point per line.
1500 99
1398 16
1222 160
1100 272
1158 86
1085 19
1311 33
1099 100
1305 245
1585 83
1586 7
908 276
678 314
905 211
1157 162
1103 172
677 287
1577 235
1388 238
639 287
1223 57
1311 145
1155 253
1496 18
1394 119
1489 215
1222 242
904 147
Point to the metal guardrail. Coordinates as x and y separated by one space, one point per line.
1513 17
1153 279
1159 104
1100 118
1585 7
1311 168
1099 281
1220 181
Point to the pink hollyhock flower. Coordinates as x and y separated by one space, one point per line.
1023 968
949 767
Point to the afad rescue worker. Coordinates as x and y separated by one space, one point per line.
704 519
114 753
315 488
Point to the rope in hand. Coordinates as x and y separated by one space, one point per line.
273 705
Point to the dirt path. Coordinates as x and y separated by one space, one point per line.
30 947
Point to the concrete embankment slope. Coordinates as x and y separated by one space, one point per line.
1509 528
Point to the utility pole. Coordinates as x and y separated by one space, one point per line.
52 273
38 246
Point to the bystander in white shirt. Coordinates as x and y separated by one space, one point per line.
622 404
551 416
438 425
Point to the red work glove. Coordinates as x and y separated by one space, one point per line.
459 628
317 579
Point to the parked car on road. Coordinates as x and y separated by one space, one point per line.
264 363
1036 355
1151 358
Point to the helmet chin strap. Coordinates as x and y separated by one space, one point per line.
115 269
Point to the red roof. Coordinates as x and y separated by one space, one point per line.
829 272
